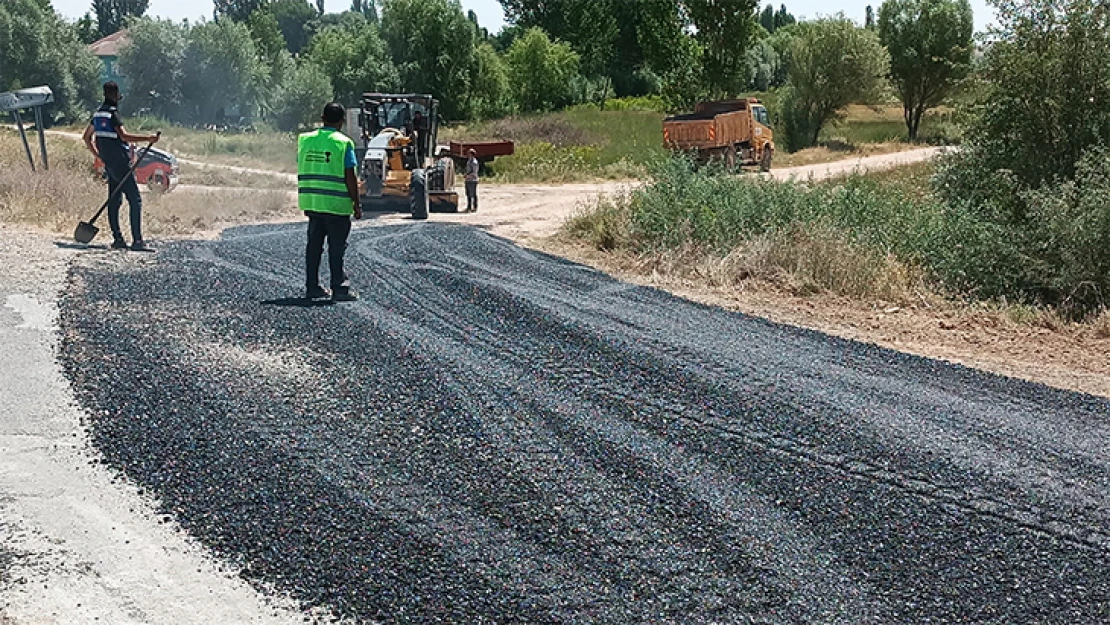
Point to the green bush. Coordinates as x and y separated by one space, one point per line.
299 100
1030 186
1049 245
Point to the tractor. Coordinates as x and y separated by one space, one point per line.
398 135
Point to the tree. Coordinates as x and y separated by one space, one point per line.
541 72
354 58
220 78
238 10
590 27
154 61
506 36
723 28
763 65
930 45
1046 100
112 15
299 102
767 18
490 94
320 7
368 9
293 17
869 18
274 67
783 18
781 42
37 47
833 63
86 29
661 34
432 45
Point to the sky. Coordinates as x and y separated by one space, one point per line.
490 14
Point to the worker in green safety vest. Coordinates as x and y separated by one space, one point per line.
327 192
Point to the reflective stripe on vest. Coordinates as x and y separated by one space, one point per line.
102 125
321 179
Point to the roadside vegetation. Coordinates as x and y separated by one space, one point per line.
57 199
624 141
1007 219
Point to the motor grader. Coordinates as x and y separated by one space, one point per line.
400 161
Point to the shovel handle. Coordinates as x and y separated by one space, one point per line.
130 172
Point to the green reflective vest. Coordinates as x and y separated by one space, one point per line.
321 185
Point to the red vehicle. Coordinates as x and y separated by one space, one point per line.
158 170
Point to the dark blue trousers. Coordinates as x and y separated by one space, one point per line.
134 201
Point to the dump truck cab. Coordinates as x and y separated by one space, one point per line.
736 132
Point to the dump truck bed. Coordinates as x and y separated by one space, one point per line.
484 150
712 125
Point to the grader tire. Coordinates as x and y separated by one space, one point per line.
418 195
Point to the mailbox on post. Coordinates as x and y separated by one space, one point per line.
34 98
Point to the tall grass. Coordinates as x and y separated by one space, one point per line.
857 237
69 191
265 149
884 236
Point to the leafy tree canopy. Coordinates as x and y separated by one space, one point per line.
432 45
293 17
38 48
541 71
930 45
833 63
112 15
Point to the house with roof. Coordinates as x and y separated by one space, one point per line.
107 50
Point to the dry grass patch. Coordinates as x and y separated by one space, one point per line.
219 177
56 200
837 151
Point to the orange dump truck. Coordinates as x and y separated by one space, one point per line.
736 132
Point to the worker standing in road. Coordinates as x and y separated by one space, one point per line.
327 192
110 146
472 182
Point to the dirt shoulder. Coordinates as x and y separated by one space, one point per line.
1072 357
77 543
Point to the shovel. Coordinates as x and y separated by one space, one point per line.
86 231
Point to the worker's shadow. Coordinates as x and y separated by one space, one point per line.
297 302
68 245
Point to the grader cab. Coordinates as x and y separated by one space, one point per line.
398 132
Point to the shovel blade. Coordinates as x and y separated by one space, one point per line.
85 232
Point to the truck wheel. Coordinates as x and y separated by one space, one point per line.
765 162
157 183
436 177
418 195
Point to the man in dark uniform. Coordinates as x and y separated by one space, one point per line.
111 147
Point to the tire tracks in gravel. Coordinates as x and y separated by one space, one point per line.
496 435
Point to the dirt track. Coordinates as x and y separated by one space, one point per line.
494 435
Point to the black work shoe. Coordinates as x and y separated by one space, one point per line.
119 244
140 246
317 293
345 295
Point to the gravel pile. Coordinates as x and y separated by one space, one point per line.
494 435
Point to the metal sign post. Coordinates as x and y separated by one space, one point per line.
23 135
34 98
42 137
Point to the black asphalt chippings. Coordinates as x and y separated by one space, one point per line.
493 435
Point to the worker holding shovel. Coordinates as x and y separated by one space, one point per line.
110 146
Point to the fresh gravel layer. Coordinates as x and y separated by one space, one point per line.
496 435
